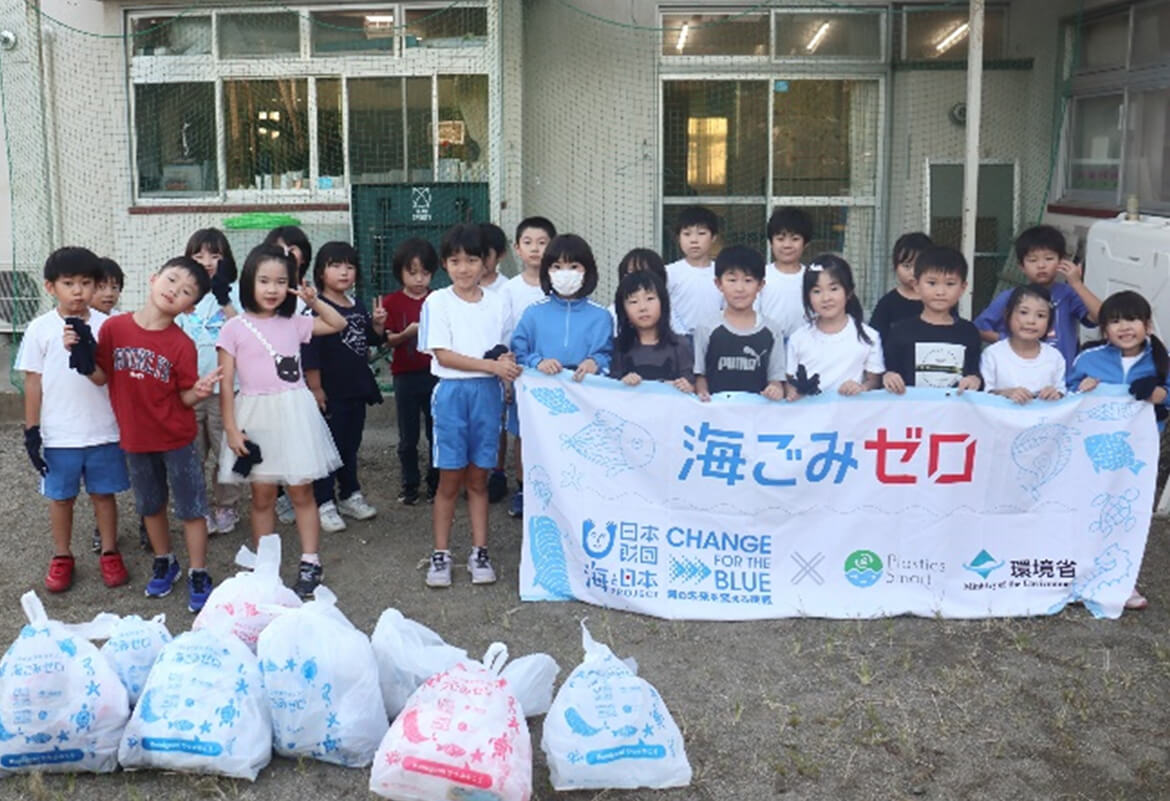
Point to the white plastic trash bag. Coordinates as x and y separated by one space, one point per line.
133 646
248 601
408 653
609 728
62 707
321 680
462 735
202 710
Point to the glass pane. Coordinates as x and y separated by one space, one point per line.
1103 43
376 132
1151 34
738 225
463 128
714 35
344 32
1095 147
420 156
174 125
813 35
171 36
825 137
330 148
267 127
446 27
1147 155
715 137
942 35
259 35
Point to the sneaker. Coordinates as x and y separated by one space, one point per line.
143 537
284 509
199 586
225 518
60 577
165 574
479 564
497 486
308 577
516 507
439 571
211 527
113 569
330 520
355 506
408 496
96 544
1136 600
431 493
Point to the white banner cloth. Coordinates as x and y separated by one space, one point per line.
927 504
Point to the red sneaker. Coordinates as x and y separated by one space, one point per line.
60 576
114 570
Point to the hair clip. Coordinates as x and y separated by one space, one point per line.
815 267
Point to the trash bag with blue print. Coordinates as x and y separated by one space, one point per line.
608 728
463 734
321 680
133 646
202 710
408 654
62 707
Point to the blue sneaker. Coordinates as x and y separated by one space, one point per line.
198 588
516 507
166 573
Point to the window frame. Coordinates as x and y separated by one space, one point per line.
211 68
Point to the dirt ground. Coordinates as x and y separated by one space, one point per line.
1063 707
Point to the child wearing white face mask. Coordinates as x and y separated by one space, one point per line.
566 330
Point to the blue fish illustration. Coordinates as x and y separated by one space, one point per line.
1041 452
554 400
181 725
40 739
625 731
1112 452
1112 411
612 442
539 486
548 556
577 724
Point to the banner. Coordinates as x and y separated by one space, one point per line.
932 503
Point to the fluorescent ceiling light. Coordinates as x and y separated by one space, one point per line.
817 38
952 38
682 36
379 19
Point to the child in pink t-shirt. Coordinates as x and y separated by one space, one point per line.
274 411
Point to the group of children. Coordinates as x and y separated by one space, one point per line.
270 375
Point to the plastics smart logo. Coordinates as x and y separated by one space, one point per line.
863 568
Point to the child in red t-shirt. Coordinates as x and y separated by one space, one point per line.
150 367
415 263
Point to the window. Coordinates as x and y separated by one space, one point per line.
929 34
730 34
1151 34
807 35
1102 43
1147 169
246 105
1095 151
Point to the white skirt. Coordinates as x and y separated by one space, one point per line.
295 444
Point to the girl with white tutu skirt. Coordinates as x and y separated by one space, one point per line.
273 432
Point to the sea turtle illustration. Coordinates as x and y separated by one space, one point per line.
228 714
1116 512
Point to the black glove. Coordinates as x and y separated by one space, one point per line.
1161 412
805 384
244 464
32 444
496 352
81 357
1143 388
221 288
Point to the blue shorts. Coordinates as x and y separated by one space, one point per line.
181 470
466 414
102 466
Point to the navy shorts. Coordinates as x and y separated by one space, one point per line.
466 414
102 466
181 470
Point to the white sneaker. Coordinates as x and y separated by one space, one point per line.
479 564
330 520
212 528
284 509
355 506
439 570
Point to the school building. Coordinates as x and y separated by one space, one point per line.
128 124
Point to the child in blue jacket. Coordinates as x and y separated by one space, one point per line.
566 330
1131 354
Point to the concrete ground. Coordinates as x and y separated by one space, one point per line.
1063 707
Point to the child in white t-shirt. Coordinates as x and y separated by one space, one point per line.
1024 366
835 351
495 244
781 298
691 280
